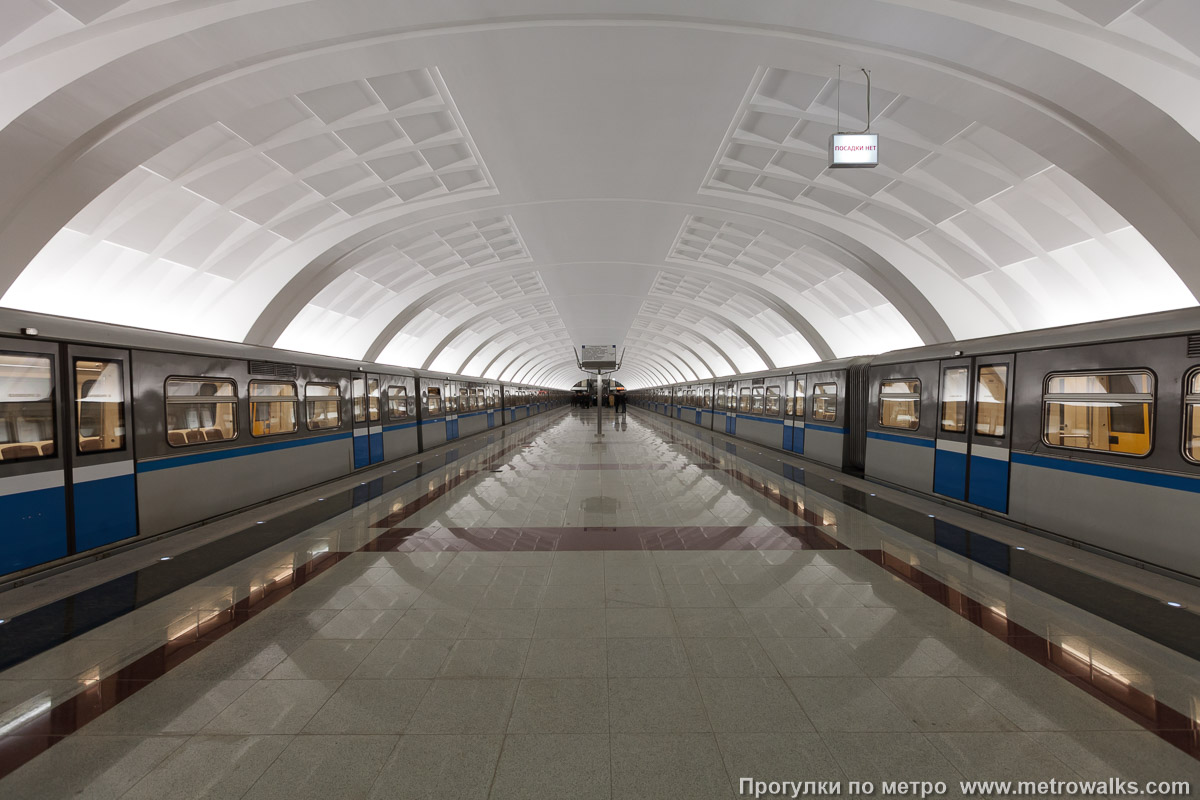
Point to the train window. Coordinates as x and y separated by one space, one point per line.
397 402
954 400
323 406
466 401
991 400
433 401
276 413
1191 425
99 405
773 401
366 399
744 399
26 407
798 395
720 399
900 404
708 398
756 400
1111 412
825 402
200 410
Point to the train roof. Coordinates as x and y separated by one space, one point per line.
55 328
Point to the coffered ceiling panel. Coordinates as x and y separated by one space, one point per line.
482 189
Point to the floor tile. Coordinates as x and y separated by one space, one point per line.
567 658
728 658
568 595
675 765
848 704
1047 703
809 657
168 708
322 659
486 658
458 767
942 704
705 622
427 623
892 756
699 595
774 623
500 623
634 595
99 767
560 705
369 706
1132 755
572 765
774 756
364 624
633 622
465 706
210 766
647 658
324 766
404 658
655 705
751 705
570 623
273 707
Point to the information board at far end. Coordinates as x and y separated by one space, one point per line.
598 356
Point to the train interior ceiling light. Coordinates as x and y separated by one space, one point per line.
475 189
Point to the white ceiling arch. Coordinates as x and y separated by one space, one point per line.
412 182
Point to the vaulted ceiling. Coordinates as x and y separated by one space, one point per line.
482 187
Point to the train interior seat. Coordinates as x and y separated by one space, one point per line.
14 451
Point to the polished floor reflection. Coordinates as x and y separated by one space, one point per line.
652 614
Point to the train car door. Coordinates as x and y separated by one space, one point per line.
368 424
33 502
103 491
453 405
974 437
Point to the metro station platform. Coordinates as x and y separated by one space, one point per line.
538 613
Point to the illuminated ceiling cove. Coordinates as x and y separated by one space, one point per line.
481 188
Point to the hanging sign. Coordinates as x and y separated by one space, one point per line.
598 356
854 150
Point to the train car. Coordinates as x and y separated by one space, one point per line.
401 436
108 434
214 434
902 423
1089 433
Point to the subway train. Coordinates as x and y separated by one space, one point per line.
108 434
1088 433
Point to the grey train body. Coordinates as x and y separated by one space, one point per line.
111 434
1088 433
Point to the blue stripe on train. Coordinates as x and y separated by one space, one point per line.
950 474
233 452
900 439
989 483
105 511
1182 483
33 528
